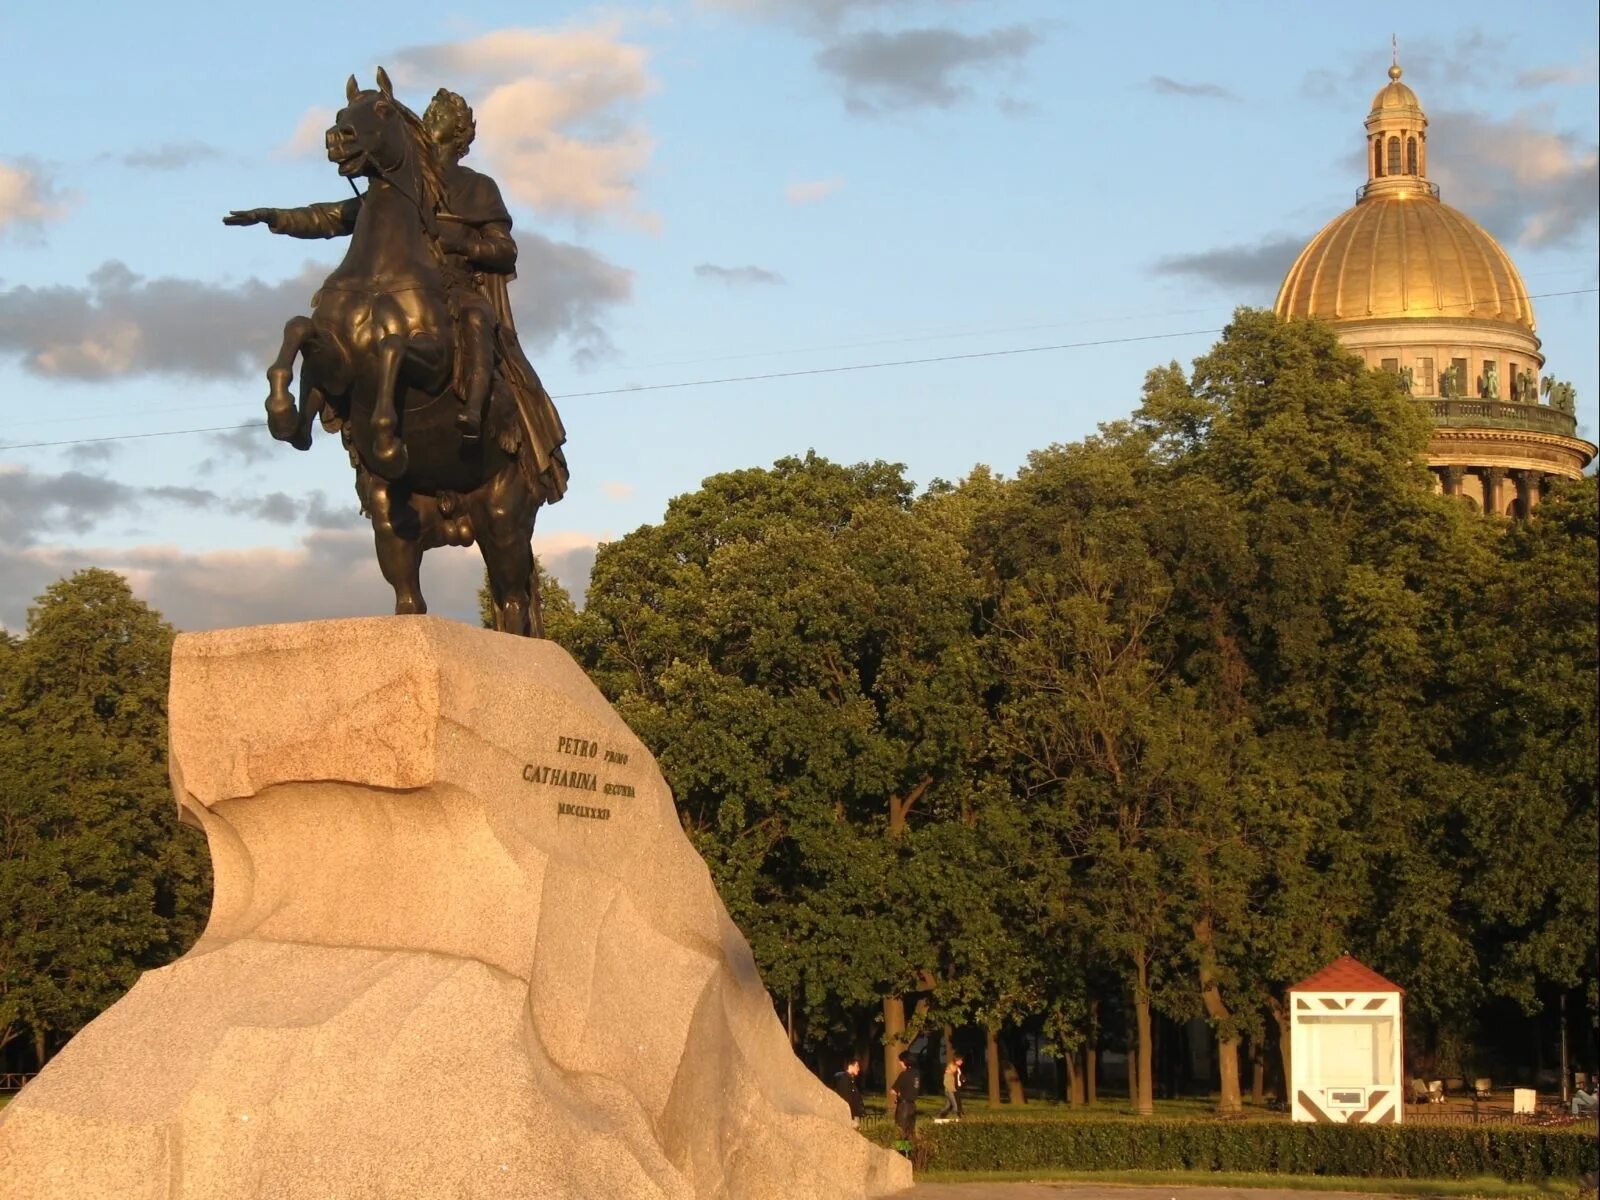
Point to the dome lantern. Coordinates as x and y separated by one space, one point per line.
1397 142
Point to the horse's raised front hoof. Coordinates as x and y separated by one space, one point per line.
283 422
301 439
389 457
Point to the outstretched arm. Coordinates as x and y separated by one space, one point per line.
335 219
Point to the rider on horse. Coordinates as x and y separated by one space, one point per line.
479 259
475 234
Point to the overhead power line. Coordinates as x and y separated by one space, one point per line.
758 378
685 383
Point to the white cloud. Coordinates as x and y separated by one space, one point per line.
121 324
309 137
1522 180
331 573
618 491
812 190
919 68
814 14
738 276
1557 75
557 125
28 198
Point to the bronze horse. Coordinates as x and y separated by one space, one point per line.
378 366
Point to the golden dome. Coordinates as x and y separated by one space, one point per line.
1395 94
1404 255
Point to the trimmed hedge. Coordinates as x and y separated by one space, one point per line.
1373 1151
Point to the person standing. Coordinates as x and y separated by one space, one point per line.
953 1080
847 1083
907 1086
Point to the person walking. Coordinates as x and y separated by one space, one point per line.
907 1086
847 1083
953 1080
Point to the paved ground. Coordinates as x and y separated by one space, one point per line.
1107 1191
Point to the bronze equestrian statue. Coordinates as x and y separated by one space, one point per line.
411 355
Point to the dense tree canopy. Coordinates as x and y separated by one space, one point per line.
1143 734
97 879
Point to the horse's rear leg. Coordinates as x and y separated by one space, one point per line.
505 537
283 417
397 534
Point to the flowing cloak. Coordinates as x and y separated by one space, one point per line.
541 433
538 435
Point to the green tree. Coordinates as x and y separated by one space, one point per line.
98 880
795 645
1089 698
1522 685
1341 604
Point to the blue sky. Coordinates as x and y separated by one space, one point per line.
705 190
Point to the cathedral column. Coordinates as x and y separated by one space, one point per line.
1492 477
1527 491
1452 480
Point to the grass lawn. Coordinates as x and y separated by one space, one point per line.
1486 1185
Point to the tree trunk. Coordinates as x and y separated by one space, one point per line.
991 1062
1280 1018
1091 1055
1144 1091
40 1047
1231 1100
1075 1094
1221 1019
894 1007
894 1041
1014 1092
1258 1071
1566 1058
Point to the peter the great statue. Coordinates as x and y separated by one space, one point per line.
411 355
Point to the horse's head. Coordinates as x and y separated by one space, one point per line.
369 135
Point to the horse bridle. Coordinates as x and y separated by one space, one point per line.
386 174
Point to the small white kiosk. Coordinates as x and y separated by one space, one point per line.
1346 1045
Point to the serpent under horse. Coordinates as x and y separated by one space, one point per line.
377 365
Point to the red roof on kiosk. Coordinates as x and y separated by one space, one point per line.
1346 974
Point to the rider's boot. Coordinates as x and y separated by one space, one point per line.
478 349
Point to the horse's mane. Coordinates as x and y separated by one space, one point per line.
432 200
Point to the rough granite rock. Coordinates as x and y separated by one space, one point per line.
460 947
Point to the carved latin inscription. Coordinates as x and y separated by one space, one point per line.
576 779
